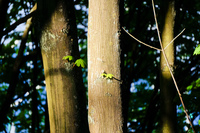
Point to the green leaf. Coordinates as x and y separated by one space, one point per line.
199 122
194 85
69 57
109 76
103 75
189 87
80 62
197 50
198 83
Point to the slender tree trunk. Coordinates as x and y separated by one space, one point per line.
105 102
167 90
65 91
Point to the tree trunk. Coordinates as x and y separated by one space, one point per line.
105 102
65 91
167 90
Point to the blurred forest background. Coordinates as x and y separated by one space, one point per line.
22 73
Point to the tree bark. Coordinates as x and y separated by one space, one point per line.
105 102
167 90
65 91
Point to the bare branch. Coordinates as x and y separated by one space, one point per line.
154 12
141 41
180 97
175 38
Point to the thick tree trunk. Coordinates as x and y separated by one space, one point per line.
167 90
65 91
105 102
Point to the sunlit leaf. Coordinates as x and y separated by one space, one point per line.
189 87
69 57
103 75
109 76
197 50
80 62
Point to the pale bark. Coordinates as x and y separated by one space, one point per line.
105 102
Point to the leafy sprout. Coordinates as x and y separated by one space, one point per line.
80 62
103 75
194 85
69 58
197 50
108 76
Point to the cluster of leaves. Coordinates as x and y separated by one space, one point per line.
107 76
78 62
194 85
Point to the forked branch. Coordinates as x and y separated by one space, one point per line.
174 38
159 39
141 41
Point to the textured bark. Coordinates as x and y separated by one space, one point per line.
105 105
65 92
167 90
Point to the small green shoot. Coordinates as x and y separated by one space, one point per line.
107 76
197 50
194 85
69 58
80 62
103 75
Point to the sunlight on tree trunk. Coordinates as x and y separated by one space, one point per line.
168 107
64 85
105 105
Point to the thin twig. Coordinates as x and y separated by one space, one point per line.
170 69
141 41
154 12
174 38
